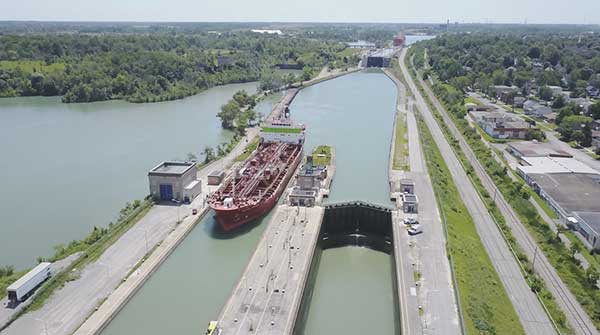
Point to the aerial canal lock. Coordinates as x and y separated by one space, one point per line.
268 296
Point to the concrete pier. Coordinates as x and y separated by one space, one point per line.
267 298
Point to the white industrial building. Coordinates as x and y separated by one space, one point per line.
174 181
549 165
570 188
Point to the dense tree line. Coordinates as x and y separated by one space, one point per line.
531 62
147 67
479 61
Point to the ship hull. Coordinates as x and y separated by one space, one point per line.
230 219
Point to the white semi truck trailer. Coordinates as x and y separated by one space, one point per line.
24 286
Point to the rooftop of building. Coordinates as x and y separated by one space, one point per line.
537 149
217 173
592 219
409 197
172 168
515 124
298 192
565 165
574 192
406 181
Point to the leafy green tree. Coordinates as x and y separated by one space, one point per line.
545 93
228 113
209 155
307 73
595 111
559 102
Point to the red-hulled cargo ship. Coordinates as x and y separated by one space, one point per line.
257 186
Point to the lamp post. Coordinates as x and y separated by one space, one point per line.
178 206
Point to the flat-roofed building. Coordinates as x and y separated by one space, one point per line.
410 203
574 197
551 165
588 225
501 125
174 181
407 186
535 149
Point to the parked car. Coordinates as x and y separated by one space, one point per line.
414 230
410 221
194 211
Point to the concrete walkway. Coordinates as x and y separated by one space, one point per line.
430 304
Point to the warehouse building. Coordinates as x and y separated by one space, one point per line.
574 197
535 149
534 166
174 181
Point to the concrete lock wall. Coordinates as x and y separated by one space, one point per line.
349 224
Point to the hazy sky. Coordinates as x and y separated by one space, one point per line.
497 11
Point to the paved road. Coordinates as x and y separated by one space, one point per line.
425 253
7 313
526 304
70 306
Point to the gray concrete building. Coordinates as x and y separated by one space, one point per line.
574 197
174 181
407 186
410 203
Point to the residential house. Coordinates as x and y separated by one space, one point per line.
556 91
504 92
582 103
531 107
550 117
518 102
502 125
593 91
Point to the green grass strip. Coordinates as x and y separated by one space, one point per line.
485 305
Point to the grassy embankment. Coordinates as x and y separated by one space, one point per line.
322 155
31 66
248 151
91 247
400 160
580 283
485 305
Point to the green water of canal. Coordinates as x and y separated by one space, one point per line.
353 288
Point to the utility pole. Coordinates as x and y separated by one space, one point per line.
534 257
267 248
